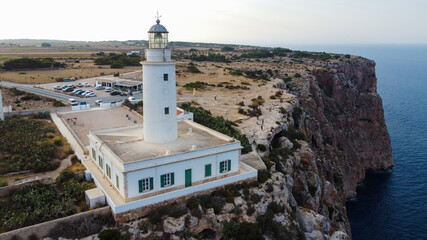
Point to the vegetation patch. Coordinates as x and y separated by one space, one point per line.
43 202
194 85
118 60
219 124
32 63
211 57
192 68
29 144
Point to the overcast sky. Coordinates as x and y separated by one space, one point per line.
256 22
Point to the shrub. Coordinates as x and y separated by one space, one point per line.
177 211
255 198
296 115
283 110
109 234
57 103
144 226
217 204
272 97
230 230
196 213
297 75
241 103
250 211
3 182
269 188
192 203
261 147
263 175
192 68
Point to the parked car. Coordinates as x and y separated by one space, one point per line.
57 87
81 93
68 89
92 94
76 90
73 102
108 89
64 86
123 93
73 86
79 84
99 102
86 84
113 93
87 93
99 87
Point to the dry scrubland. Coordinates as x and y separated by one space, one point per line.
78 58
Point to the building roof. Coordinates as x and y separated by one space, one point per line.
128 144
158 28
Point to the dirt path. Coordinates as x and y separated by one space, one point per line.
13 180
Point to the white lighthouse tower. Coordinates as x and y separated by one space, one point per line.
160 121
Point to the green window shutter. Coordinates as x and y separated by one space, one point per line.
229 165
172 178
162 181
117 182
140 185
208 170
151 183
221 167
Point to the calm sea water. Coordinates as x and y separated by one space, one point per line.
394 206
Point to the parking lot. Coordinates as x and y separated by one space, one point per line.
90 81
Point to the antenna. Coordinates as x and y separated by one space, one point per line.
158 16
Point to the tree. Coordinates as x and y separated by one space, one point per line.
46 45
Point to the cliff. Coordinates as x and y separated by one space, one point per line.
346 125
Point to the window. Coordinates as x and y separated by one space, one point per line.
108 170
100 162
165 77
93 154
145 184
224 166
208 170
166 110
117 182
167 179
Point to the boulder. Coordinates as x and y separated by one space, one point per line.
174 237
339 235
315 235
173 225
228 207
281 219
238 201
192 222
310 220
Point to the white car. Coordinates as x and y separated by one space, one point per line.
87 93
99 102
91 95
108 89
73 102
57 87
86 84
99 87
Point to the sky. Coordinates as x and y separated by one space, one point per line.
254 22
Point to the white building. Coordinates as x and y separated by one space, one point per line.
166 157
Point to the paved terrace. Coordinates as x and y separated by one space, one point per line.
129 146
96 119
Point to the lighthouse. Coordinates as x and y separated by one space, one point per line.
160 116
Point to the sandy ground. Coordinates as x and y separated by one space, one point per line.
224 102
99 118
9 99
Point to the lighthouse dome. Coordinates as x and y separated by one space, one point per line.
158 28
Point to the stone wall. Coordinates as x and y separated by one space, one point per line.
8 190
42 229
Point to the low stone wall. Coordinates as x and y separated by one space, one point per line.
42 229
35 111
8 190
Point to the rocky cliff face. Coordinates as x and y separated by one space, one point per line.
345 122
345 132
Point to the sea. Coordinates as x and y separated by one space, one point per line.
394 205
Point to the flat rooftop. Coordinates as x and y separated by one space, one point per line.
81 122
129 146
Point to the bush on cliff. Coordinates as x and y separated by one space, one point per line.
219 124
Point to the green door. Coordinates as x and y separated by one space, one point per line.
188 178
